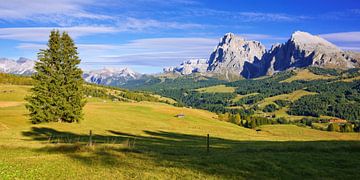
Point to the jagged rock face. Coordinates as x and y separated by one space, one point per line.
111 77
22 66
231 54
189 67
302 50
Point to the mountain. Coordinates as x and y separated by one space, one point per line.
22 66
189 67
232 53
235 56
106 76
303 50
110 76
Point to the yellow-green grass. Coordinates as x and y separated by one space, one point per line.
238 96
217 89
283 113
145 141
171 101
13 92
290 97
305 74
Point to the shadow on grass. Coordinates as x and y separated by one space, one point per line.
227 158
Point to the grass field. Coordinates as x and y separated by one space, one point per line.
217 89
304 74
290 97
145 141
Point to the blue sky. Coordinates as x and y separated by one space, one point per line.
147 35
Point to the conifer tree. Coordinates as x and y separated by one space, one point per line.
57 94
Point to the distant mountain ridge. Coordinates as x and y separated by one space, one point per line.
236 56
189 67
105 76
111 76
22 66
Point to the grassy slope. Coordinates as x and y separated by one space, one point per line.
291 97
304 74
165 147
217 89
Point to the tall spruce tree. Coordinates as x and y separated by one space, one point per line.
57 95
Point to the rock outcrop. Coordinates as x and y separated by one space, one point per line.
233 53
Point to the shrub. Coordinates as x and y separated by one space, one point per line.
334 127
270 108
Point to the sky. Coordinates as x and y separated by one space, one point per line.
147 35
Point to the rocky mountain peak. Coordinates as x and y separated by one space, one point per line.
311 42
232 53
304 49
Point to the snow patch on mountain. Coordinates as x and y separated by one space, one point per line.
188 67
111 76
22 66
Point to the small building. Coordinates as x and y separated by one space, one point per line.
180 115
337 121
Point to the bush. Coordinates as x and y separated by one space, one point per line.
270 108
282 120
347 128
334 127
282 103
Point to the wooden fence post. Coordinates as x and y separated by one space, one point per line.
208 143
90 138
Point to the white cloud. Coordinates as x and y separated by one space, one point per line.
262 37
61 12
345 40
158 52
42 33
257 16
351 48
242 16
135 24
343 36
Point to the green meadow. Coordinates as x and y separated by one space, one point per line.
144 140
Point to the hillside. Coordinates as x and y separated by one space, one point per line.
133 139
315 93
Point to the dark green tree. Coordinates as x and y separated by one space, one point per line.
270 108
333 127
57 94
347 128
